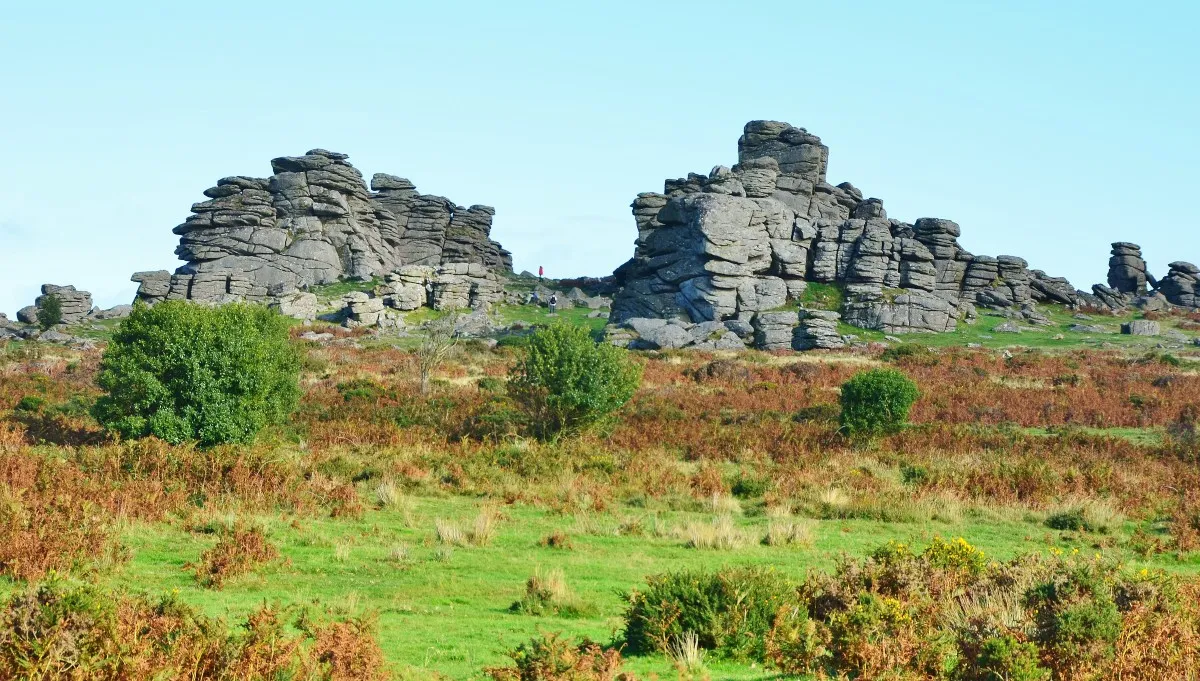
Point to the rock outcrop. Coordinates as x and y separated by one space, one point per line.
76 305
314 221
740 242
1180 284
1127 269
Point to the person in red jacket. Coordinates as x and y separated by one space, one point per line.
541 272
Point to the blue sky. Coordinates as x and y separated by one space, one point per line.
1047 130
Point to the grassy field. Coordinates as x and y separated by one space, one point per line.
445 609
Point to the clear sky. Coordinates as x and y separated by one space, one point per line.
1046 129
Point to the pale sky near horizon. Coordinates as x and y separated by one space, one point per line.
1047 130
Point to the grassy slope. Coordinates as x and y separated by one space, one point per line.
450 614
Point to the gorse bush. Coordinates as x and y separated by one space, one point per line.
567 382
550 657
877 402
730 611
58 631
49 312
184 372
948 613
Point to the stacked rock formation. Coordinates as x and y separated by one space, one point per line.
75 304
748 239
313 222
1127 269
1180 284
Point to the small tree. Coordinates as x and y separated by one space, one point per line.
877 402
567 382
185 372
49 313
436 346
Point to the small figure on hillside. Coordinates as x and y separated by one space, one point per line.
429 292
553 302
541 272
533 299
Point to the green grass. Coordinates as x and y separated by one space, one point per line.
1146 437
1046 337
327 292
533 314
450 613
818 296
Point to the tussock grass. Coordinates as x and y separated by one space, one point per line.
547 593
687 655
480 532
789 532
721 534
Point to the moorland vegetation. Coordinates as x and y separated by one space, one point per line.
553 509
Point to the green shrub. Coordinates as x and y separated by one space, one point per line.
31 404
1005 657
1076 614
185 372
877 402
1070 519
567 382
49 313
731 611
750 486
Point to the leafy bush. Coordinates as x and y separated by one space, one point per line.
31 404
551 657
750 486
1005 657
567 382
877 402
184 372
731 611
49 313
1076 615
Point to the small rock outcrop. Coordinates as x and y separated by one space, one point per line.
1141 327
76 305
1180 285
642 333
314 221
